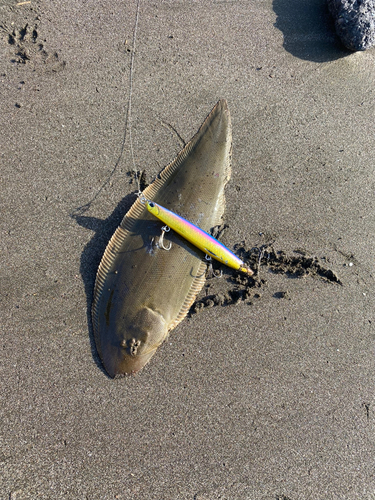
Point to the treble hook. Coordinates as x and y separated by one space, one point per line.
211 272
160 244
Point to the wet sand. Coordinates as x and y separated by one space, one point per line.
266 396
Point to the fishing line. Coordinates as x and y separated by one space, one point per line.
128 126
131 95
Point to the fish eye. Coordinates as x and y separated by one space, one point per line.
151 204
131 345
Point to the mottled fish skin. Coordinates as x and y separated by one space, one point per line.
142 292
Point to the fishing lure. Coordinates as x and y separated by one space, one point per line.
199 238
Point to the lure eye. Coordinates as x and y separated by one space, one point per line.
151 204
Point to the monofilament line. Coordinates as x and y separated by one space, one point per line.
128 126
131 94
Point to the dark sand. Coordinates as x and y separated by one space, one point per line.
268 400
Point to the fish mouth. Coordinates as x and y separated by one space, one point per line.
119 364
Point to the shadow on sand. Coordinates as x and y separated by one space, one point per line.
308 30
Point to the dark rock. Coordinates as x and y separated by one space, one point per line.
354 22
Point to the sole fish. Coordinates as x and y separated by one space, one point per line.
141 291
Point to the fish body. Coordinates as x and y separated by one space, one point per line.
141 291
199 238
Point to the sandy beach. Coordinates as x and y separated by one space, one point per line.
269 396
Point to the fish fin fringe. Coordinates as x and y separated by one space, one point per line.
109 256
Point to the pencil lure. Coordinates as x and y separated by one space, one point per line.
198 237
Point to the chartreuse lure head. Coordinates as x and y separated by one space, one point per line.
152 208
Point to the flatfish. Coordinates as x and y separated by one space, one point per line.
142 291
